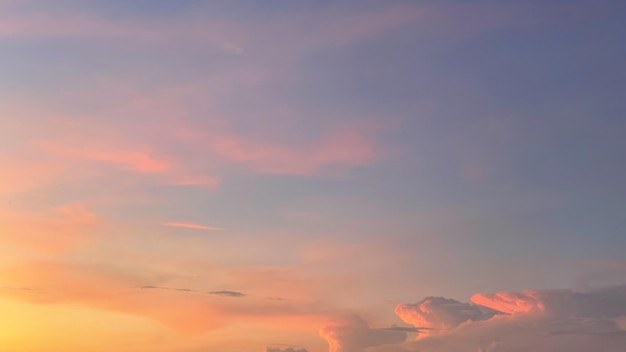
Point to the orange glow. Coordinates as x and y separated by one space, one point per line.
25 328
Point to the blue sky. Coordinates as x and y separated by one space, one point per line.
361 154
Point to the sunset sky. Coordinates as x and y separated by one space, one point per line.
312 176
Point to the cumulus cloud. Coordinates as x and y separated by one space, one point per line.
354 335
538 320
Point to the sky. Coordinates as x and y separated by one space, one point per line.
312 175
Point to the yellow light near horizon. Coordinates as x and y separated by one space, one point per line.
27 327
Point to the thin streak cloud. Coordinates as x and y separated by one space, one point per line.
192 226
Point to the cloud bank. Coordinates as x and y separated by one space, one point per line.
538 320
